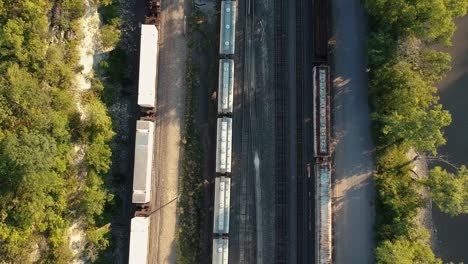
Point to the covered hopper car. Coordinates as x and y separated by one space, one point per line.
222 205
142 170
224 145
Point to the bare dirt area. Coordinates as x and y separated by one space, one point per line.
353 187
169 123
421 171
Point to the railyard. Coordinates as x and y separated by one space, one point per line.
252 192
265 192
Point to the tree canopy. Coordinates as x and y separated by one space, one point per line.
407 250
449 191
431 21
41 193
407 115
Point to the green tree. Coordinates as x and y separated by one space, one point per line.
97 241
403 70
397 87
406 108
98 155
413 249
29 151
382 48
97 120
431 64
418 128
12 39
428 20
449 191
41 192
110 34
456 7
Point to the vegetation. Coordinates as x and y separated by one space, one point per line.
449 191
105 85
407 250
110 31
110 34
191 183
407 116
191 178
44 186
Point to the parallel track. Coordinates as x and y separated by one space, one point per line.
247 244
300 166
311 25
281 135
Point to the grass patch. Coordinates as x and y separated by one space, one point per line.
191 179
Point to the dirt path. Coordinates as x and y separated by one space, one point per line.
169 123
353 191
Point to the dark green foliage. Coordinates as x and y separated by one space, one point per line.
397 197
109 9
41 193
430 21
406 108
411 249
118 59
110 33
407 115
449 191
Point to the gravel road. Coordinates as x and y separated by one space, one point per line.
169 124
353 192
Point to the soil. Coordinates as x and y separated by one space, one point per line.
170 112
353 186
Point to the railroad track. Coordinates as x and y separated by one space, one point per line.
300 165
246 241
281 179
321 14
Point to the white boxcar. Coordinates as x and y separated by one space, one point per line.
224 145
225 86
143 162
148 66
220 250
222 205
139 237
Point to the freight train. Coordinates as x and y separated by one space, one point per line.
220 253
139 235
144 145
322 153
